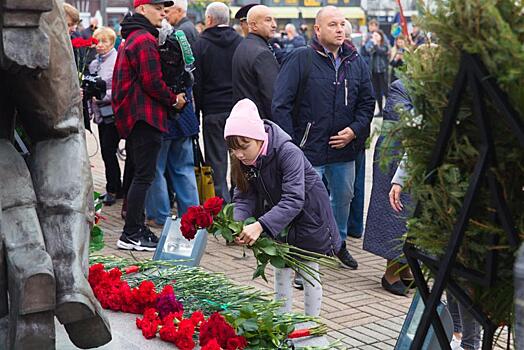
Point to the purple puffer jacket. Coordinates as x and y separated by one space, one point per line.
294 196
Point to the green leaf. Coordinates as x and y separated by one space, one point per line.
236 227
264 242
278 262
99 206
228 211
250 325
270 250
260 272
250 221
97 239
227 234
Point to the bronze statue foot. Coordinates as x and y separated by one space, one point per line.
91 332
72 308
30 275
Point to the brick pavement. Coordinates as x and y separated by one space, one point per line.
355 307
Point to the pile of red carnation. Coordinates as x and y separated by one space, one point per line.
215 332
201 216
162 312
115 294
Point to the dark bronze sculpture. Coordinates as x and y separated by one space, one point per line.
45 200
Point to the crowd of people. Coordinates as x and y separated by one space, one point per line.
289 113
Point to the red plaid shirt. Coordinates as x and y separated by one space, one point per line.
139 93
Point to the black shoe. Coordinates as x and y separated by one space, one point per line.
397 288
109 199
298 282
346 260
132 243
150 235
355 235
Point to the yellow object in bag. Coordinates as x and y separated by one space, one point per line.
203 174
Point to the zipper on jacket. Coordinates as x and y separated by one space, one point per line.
346 91
305 136
264 185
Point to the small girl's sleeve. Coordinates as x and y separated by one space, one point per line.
245 204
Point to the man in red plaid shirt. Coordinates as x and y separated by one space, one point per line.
141 102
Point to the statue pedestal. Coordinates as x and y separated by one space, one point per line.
127 336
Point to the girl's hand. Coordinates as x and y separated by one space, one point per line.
250 234
394 198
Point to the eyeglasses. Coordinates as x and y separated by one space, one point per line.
243 19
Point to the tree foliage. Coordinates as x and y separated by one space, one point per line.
495 31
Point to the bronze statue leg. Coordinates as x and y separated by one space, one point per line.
4 306
64 191
26 264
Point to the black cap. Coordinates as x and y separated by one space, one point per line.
242 13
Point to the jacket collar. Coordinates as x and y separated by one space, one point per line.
182 21
347 50
257 38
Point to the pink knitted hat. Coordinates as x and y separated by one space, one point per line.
245 121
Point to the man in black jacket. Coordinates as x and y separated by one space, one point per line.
255 67
177 17
213 88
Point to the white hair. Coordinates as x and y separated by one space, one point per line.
219 12
182 4
348 29
291 27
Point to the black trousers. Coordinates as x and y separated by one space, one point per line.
109 140
143 145
380 85
215 150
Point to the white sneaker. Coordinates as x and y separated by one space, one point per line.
455 344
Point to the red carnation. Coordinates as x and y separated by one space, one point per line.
96 274
236 343
211 345
214 205
216 327
131 269
168 333
184 341
80 42
172 319
149 323
197 317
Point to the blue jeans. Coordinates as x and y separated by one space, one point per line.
341 180
356 214
465 323
175 156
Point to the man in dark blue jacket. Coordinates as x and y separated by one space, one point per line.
335 109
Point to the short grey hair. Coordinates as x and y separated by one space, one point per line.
290 26
181 4
348 30
219 12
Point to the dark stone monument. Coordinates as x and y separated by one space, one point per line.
46 209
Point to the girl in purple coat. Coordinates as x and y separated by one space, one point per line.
276 184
